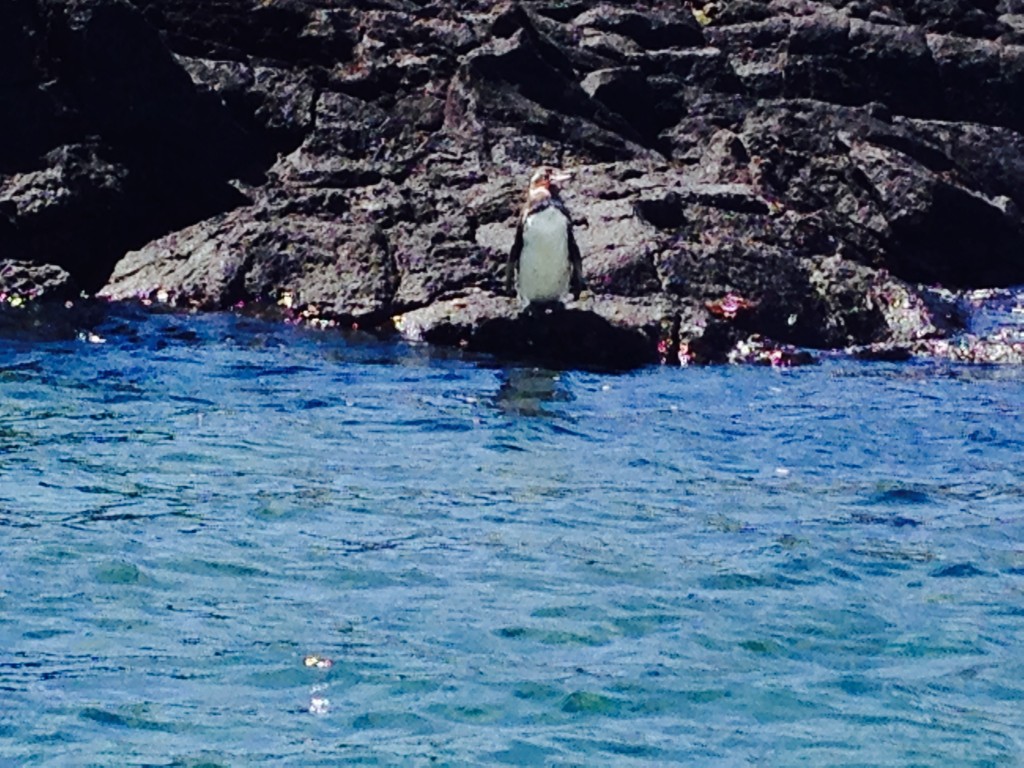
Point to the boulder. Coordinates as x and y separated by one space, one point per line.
314 267
43 302
599 332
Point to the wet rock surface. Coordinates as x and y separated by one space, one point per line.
751 180
43 301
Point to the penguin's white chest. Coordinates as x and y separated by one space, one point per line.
544 267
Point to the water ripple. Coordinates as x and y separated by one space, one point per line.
501 566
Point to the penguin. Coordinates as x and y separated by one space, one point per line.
544 263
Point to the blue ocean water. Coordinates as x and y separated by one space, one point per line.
227 543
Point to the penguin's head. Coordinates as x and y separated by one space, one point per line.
545 182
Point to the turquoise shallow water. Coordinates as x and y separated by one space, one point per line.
704 567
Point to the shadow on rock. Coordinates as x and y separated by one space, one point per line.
41 302
564 337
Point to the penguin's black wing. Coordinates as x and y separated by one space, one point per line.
576 284
513 260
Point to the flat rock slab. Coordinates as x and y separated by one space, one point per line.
599 333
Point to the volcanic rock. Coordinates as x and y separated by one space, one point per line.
750 179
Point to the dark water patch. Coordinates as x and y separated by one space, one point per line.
895 521
360 577
126 719
11 519
1014 611
533 691
656 466
566 431
191 400
574 612
958 571
746 581
217 569
843 574
406 722
349 547
195 762
415 687
937 648
290 677
120 573
553 636
522 753
774 704
470 714
506 447
858 686
623 749
763 646
109 514
642 625
45 634
439 425
730 581
899 495
890 555
26 371
591 703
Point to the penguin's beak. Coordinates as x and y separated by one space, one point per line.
559 176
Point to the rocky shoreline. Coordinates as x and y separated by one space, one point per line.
753 180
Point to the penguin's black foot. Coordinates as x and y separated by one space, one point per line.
539 309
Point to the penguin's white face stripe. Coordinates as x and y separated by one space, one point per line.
539 194
543 178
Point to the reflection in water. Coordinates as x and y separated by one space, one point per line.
528 391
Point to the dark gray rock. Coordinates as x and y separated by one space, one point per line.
653 29
514 93
599 332
933 221
751 179
316 268
42 301
626 92
111 146
848 61
980 80
961 17
22 282
32 124
52 212
275 104
294 31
